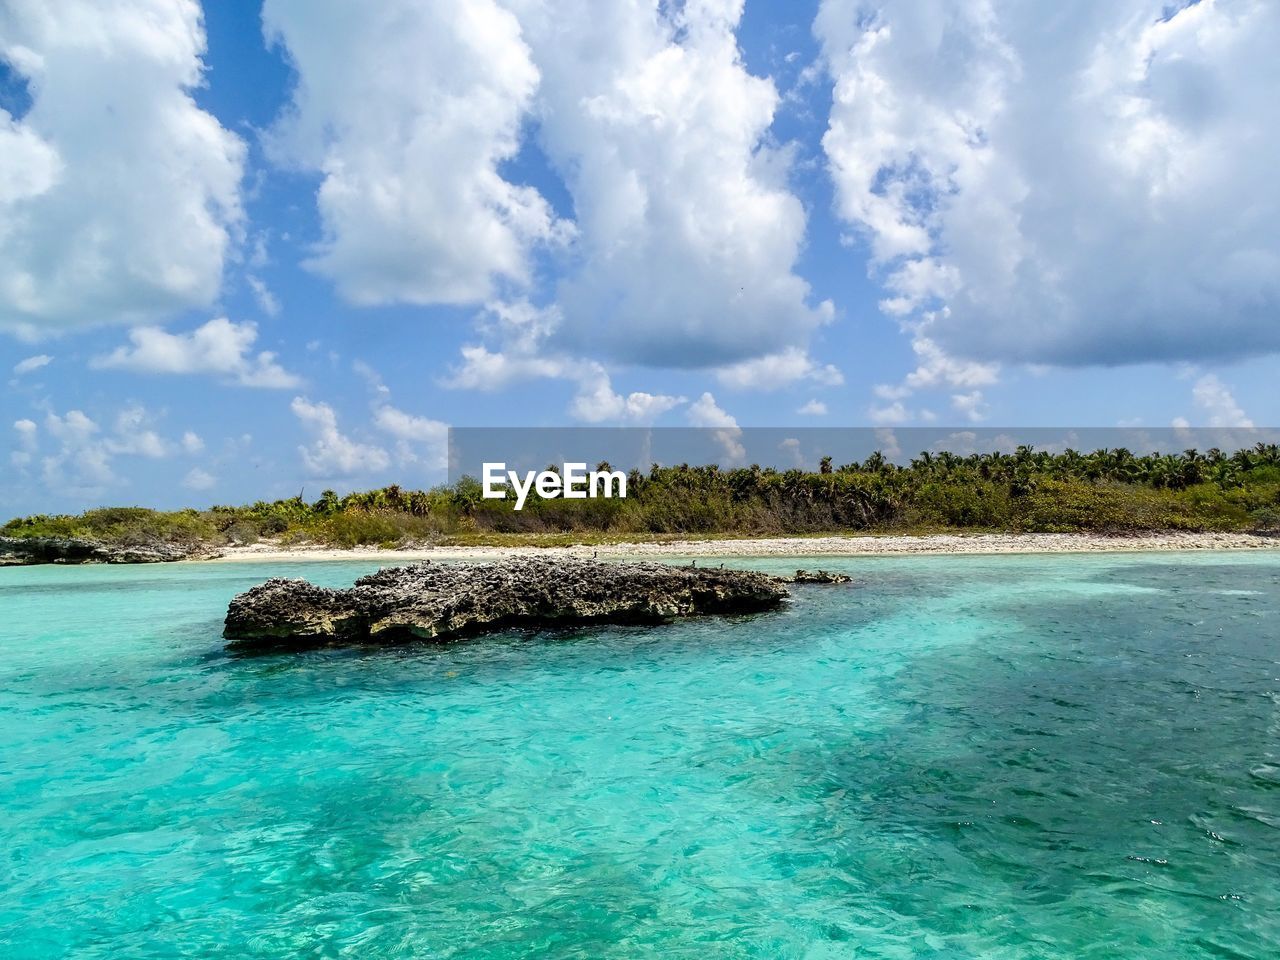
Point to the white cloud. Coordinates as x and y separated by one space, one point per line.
409 427
892 413
197 479
83 453
596 402
119 197
191 442
937 368
268 303
517 332
687 232
408 110
413 433
28 433
32 363
1218 403
814 408
1102 192
706 413
934 368
485 369
74 427
419 440
332 454
82 460
219 347
778 370
521 333
971 405
134 435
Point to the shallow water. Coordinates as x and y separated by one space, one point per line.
1073 756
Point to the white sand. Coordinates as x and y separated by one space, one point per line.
851 546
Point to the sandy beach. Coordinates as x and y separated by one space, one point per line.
851 546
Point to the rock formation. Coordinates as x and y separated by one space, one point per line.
440 602
24 551
820 576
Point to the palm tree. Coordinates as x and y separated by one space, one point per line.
327 504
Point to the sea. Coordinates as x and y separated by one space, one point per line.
1072 756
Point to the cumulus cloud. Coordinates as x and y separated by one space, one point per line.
934 368
408 111
814 408
892 413
687 232
597 402
778 370
134 434
32 363
28 433
418 439
1216 401
972 405
80 453
1102 192
516 332
219 347
521 334
332 453
707 414
895 412
119 197
486 369
82 460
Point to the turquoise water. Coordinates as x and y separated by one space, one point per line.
969 757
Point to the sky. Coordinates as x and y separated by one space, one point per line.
251 249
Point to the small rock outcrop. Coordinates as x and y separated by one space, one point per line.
820 576
441 602
26 551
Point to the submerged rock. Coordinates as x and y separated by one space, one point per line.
25 551
440 602
820 576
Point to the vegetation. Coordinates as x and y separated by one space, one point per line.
1108 491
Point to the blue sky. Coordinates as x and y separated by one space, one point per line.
247 251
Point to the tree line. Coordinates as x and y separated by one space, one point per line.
1111 490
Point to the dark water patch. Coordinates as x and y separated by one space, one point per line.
1089 768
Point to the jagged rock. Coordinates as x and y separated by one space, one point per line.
440 602
820 576
25 551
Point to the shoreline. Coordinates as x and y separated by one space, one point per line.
829 546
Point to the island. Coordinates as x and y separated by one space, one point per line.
1027 500
432 601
